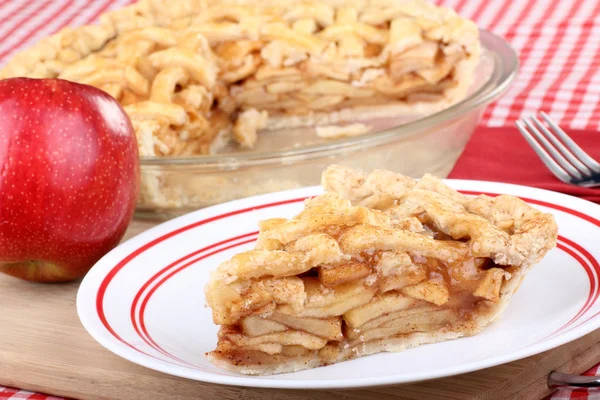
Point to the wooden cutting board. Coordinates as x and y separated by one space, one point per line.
44 348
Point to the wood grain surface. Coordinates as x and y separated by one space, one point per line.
43 347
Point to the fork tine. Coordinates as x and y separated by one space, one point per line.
556 156
543 155
558 144
571 145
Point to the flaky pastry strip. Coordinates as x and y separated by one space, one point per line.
369 239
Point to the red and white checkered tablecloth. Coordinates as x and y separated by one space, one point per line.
14 394
558 42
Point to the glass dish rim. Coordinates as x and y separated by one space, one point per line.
506 66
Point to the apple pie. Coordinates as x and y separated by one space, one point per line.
194 75
380 262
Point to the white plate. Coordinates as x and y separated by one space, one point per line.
144 301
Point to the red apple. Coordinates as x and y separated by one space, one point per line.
69 177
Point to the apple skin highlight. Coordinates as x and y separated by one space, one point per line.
69 177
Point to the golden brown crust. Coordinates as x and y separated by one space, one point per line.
380 262
503 228
315 62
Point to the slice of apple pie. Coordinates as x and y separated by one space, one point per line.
380 262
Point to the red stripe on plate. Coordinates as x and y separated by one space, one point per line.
592 317
593 262
115 270
592 295
151 341
137 297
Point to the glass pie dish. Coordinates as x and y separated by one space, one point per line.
172 186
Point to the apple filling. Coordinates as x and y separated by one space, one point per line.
332 311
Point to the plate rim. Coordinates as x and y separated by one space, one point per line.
114 346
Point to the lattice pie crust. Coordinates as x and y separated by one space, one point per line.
380 262
192 74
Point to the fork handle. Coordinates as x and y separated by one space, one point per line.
557 380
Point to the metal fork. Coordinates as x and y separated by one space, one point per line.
567 161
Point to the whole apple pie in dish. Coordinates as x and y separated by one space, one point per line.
380 262
193 75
